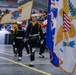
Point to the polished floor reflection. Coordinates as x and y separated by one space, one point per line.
10 66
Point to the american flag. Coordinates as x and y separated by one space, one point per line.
66 23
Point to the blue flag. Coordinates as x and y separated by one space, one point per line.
49 41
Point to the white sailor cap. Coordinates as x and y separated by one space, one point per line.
34 15
19 22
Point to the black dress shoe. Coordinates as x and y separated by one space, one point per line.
31 65
19 59
41 56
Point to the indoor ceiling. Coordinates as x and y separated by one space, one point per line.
38 4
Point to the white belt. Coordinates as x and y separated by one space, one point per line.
34 35
19 37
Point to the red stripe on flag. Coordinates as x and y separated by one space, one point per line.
66 23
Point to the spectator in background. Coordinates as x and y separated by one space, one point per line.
40 11
33 12
45 15
6 11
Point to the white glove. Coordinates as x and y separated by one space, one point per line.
42 41
13 43
15 48
33 49
25 39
